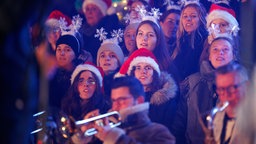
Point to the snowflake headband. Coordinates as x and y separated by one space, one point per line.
153 15
131 20
171 6
220 1
214 29
184 3
116 36
71 29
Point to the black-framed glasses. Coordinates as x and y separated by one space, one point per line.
230 89
89 81
120 99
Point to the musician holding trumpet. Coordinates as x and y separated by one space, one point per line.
127 95
231 86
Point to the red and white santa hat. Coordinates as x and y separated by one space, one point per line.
224 13
102 4
139 56
90 67
53 19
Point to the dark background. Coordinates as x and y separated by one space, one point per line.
20 72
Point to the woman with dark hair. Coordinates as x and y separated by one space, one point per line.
84 95
169 22
149 35
85 92
160 87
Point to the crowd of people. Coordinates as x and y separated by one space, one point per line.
164 68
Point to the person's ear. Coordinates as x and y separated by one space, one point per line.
140 99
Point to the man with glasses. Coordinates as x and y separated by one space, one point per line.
231 86
127 97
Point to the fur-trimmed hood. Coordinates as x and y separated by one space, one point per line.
169 90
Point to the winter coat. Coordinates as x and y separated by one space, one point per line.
163 101
58 87
218 126
187 60
137 128
197 99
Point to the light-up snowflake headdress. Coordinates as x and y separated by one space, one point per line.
110 44
73 27
153 15
214 30
116 36
131 20
170 5
184 3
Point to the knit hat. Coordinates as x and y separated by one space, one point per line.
71 41
103 5
90 67
110 44
53 19
138 56
224 13
113 47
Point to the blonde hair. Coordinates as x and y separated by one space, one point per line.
199 31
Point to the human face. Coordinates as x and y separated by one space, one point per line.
108 61
146 37
144 73
86 85
129 39
220 25
221 53
170 24
92 14
230 87
65 55
134 14
121 98
53 35
190 19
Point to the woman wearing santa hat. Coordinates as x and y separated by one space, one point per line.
160 87
220 21
85 94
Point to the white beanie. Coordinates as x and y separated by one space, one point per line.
89 67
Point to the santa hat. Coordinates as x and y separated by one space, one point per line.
110 45
224 13
90 67
71 41
103 5
138 56
53 19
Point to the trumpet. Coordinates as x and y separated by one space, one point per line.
69 126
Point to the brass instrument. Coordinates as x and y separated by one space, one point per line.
56 126
67 127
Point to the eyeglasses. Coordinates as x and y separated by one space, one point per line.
120 99
230 89
89 81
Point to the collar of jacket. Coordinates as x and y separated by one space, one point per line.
169 90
